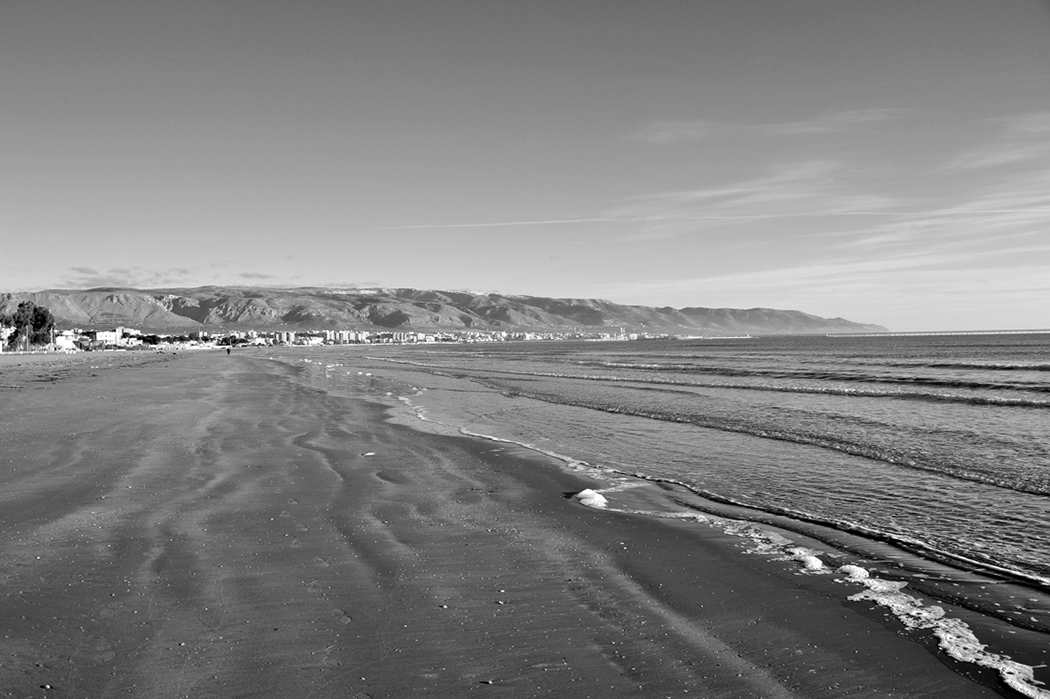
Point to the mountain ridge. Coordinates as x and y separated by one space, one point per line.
402 308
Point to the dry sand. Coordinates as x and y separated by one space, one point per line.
200 526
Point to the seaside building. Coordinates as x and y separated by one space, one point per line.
347 337
66 341
118 337
109 337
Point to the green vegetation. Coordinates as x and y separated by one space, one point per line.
33 325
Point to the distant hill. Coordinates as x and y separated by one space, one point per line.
165 310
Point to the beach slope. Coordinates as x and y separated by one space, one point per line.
206 526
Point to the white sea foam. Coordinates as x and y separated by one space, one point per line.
591 498
624 484
852 572
761 541
690 516
808 558
953 635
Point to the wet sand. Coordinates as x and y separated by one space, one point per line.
204 526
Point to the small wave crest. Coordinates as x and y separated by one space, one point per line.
954 636
908 388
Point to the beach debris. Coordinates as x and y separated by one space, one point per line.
591 498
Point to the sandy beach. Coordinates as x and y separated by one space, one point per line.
203 526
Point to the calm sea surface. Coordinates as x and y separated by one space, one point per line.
928 457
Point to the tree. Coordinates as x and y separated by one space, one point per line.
43 326
33 325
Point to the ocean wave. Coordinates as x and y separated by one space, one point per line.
968 399
890 453
914 545
848 392
980 366
954 636
887 453
878 452
851 377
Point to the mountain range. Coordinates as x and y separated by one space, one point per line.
167 310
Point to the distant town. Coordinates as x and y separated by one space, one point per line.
121 338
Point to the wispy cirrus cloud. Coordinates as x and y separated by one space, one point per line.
878 212
1006 216
833 122
678 131
917 291
1024 138
497 224
876 232
804 189
812 189
975 249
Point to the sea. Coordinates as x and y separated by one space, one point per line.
920 463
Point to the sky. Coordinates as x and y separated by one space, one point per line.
886 162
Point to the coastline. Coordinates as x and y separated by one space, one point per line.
217 528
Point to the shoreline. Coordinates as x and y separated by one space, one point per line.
219 528
893 578
800 548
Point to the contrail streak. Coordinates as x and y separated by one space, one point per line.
498 224
713 217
